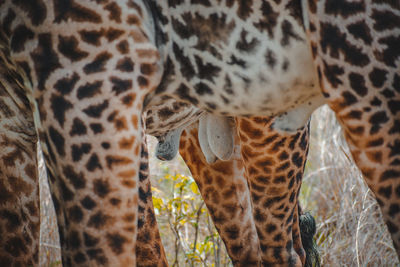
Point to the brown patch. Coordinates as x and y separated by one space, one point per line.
115 11
368 173
127 174
33 207
225 167
126 143
220 182
115 160
91 37
375 156
116 242
35 10
5 194
135 121
133 20
64 10
45 59
123 47
100 220
120 124
115 202
69 47
137 149
130 217
125 65
147 53
128 183
129 99
147 69
130 229
135 6
112 34
312 6
142 81
20 186
138 36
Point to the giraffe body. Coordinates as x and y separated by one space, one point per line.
235 59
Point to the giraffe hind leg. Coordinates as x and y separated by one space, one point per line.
19 184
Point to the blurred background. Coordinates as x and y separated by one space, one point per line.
350 228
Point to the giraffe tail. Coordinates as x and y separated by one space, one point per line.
307 230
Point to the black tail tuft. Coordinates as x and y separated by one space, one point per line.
307 231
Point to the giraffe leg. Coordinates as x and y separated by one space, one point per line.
90 67
92 171
225 192
382 176
149 248
364 93
274 164
93 180
19 184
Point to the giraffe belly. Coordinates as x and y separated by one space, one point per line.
252 93
267 81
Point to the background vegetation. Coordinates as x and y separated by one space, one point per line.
350 230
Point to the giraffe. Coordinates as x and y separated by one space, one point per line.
151 253
101 62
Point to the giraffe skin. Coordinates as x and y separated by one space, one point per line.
347 51
225 183
274 166
224 189
100 62
149 248
94 91
236 58
265 172
356 53
19 183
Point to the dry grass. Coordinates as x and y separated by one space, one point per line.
351 231
49 254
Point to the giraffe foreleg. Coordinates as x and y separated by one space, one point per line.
149 248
